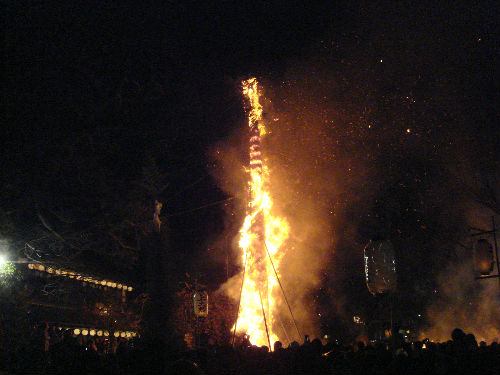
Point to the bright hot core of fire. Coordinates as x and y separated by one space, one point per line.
261 239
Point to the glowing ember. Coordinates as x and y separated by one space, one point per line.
262 236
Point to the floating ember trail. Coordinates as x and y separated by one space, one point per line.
262 237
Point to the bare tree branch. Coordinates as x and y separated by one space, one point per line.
120 242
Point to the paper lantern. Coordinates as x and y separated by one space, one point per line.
200 302
483 257
380 267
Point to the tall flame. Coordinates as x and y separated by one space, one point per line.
261 238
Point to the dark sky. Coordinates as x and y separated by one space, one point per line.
103 84
156 77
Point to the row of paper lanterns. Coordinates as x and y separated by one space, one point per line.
77 276
105 333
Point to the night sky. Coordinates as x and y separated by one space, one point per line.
105 103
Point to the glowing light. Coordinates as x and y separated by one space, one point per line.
76 331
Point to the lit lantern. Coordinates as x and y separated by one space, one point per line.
119 286
76 331
106 333
116 334
200 302
113 285
58 272
129 334
31 266
129 288
50 270
483 257
122 334
109 283
85 332
99 333
92 332
380 267
103 282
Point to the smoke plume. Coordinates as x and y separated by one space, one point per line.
358 149
308 165
462 301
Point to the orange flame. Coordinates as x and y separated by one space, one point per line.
261 238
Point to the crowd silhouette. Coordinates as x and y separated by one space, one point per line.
53 352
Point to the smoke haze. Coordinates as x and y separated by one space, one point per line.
315 174
461 300
357 150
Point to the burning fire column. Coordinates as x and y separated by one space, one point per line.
255 303
257 256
